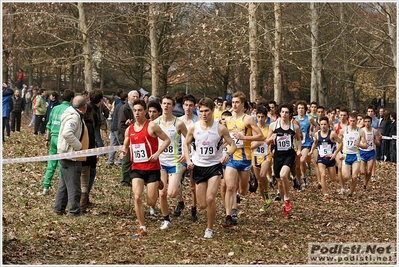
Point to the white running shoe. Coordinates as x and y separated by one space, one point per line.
46 191
208 233
343 191
165 225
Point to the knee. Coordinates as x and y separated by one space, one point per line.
138 198
230 188
162 193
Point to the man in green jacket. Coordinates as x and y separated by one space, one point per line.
52 131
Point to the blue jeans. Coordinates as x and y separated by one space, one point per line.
69 190
6 126
28 107
114 141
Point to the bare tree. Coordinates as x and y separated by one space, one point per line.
276 53
253 52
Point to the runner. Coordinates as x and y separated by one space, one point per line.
283 132
171 158
207 158
141 139
243 130
325 140
262 157
353 139
188 118
342 123
307 123
367 156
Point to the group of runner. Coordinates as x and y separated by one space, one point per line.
219 148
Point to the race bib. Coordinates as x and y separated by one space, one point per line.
325 149
206 151
239 143
283 142
139 153
261 151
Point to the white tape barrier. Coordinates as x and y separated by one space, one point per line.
81 153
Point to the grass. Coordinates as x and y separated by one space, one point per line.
33 235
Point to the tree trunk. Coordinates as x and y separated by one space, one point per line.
10 45
88 68
276 53
154 50
391 21
314 85
348 75
253 52
71 76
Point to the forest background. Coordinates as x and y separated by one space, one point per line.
333 53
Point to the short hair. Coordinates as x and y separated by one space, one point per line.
261 110
313 103
132 92
371 107
393 114
140 102
303 103
170 98
67 95
272 102
154 104
286 105
344 109
353 115
207 102
321 107
324 118
189 98
227 113
79 101
123 95
228 103
96 95
179 95
119 92
55 94
367 117
240 95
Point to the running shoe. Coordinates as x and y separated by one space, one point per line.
288 206
266 205
228 223
208 233
165 225
139 233
373 179
179 208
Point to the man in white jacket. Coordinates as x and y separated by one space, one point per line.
73 136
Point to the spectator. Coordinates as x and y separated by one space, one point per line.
178 111
52 101
52 131
20 79
73 136
384 130
6 99
90 162
114 141
34 94
392 133
16 112
40 106
95 97
28 100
